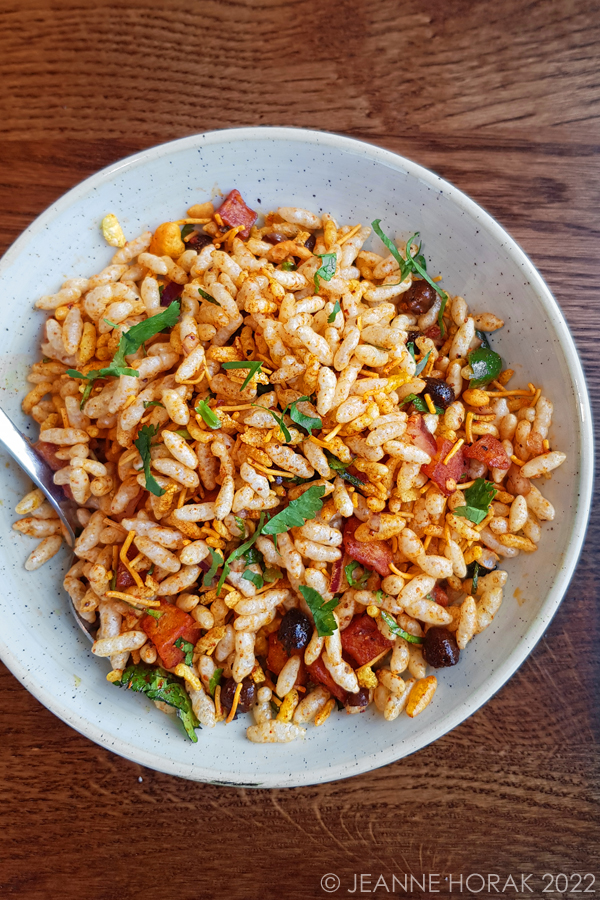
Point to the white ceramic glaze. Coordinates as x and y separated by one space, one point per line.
357 182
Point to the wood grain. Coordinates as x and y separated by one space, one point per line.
500 98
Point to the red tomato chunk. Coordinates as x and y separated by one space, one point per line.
363 641
441 474
319 674
174 623
375 555
234 211
490 451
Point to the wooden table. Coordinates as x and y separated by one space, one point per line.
500 98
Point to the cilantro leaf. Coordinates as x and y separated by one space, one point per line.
206 296
239 551
211 419
217 561
112 324
419 404
138 334
270 575
395 629
187 229
240 524
350 569
92 376
307 422
322 612
475 578
288 266
478 498
158 684
254 578
148 403
184 433
326 270
279 419
421 365
187 648
404 266
215 678
411 349
338 466
254 366
336 309
143 443
155 613
297 512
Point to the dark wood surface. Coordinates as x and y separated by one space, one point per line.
502 99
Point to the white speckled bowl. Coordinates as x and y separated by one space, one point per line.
356 182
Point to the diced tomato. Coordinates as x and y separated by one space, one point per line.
420 434
440 596
441 474
174 623
375 555
434 333
234 211
277 658
488 450
319 673
171 291
337 573
362 639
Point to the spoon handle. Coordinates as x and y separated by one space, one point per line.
33 465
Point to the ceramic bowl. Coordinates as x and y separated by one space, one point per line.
356 182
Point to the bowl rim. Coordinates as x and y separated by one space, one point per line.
509 664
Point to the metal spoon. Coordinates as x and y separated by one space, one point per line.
42 475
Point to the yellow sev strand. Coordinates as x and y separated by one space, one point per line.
272 471
129 598
453 451
349 235
429 403
397 571
517 461
318 442
468 427
333 432
123 557
234 705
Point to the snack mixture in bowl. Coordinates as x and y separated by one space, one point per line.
298 465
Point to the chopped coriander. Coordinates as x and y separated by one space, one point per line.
217 561
206 296
240 524
211 419
288 266
350 569
322 611
307 422
336 309
254 578
184 433
215 678
187 648
143 443
478 498
279 419
187 229
395 629
158 684
326 270
419 404
270 575
297 512
239 551
155 613
484 339
475 578
421 365
148 403
254 366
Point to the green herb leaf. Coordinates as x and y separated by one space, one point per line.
279 419
475 578
326 270
217 561
254 578
297 512
288 266
411 349
184 433
148 403
211 419
239 551
270 575
307 422
350 569
478 498
112 324
160 685
138 334
336 309
254 367
206 296
143 443
92 376
322 611
421 365
240 524
395 629
215 678
338 466
187 229
419 404
486 366
155 613
187 648
253 555
379 595
404 267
